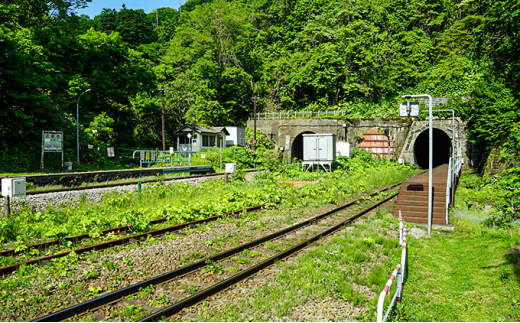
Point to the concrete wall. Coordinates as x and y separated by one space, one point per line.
403 131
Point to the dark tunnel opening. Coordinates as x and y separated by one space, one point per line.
441 148
297 146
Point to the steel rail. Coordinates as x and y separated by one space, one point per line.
105 245
81 188
116 295
194 299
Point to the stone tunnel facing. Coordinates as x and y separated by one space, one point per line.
297 146
441 149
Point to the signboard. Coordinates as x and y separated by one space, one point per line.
409 111
52 141
171 150
203 156
110 151
254 141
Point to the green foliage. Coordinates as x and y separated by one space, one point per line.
502 192
357 56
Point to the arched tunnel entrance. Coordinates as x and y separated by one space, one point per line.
441 148
297 146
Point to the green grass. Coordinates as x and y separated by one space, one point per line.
470 277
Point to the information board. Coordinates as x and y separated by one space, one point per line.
52 141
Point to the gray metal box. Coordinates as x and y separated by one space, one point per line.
319 147
13 186
231 168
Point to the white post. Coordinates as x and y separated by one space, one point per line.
430 167
430 159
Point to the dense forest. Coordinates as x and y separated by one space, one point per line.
213 56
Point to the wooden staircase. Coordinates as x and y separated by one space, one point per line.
412 200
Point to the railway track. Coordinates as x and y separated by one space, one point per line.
209 276
118 230
109 244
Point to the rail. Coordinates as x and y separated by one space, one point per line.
296 115
399 273
104 299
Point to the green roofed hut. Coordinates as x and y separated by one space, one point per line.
196 138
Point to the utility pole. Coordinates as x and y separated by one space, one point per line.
254 121
180 10
162 112
77 124
156 18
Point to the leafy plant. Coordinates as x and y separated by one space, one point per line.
212 268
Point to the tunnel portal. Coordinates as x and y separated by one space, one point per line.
441 148
297 145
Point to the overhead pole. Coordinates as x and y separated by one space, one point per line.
162 113
254 121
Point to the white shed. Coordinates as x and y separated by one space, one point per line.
236 137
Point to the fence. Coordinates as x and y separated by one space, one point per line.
296 115
455 165
398 273
150 157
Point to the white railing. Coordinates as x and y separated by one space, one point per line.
398 273
453 172
296 115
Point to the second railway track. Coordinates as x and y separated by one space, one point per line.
246 259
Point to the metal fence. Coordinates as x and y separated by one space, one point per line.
297 115
162 157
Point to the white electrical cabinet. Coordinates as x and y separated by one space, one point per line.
319 147
231 168
319 150
13 186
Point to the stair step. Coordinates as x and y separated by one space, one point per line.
436 215
419 202
413 219
418 208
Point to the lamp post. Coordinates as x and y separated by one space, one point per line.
430 161
77 124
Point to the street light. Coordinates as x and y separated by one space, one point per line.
430 162
77 124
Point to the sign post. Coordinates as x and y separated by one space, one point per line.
52 141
